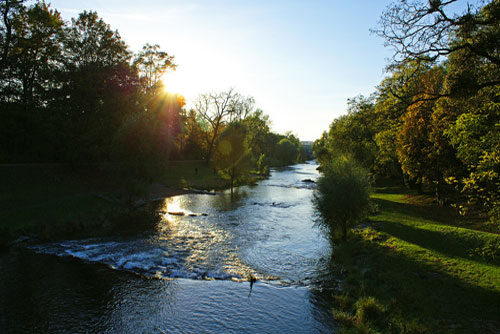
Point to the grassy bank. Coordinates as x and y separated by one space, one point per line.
418 268
49 200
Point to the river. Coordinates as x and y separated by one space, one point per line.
187 272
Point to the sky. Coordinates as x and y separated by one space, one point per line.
300 60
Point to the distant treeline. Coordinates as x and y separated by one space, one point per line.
73 92
435 119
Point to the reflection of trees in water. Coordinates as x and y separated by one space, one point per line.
49 294
43 293
227 201
325 285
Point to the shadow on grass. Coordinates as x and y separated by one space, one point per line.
414 291
444 216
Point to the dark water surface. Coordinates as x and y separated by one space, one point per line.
183 274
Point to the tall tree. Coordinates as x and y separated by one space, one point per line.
152 63
9 10
95 54
427 31
233 153
32 53
218 109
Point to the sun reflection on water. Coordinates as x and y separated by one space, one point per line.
204 244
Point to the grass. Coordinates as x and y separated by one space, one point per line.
50 201
192 174
34 198
196 175
419 268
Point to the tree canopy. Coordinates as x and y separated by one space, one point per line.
434 120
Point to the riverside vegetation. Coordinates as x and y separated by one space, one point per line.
83 119
421 263
427 258
415 267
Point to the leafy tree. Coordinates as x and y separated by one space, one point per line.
321 149
258 131
152 63
92 42
193 136
343 196
31 50
218 109
393 96
232 157
146 139
95 54
10 10
351 134
476 136
287 150
34 55
424 153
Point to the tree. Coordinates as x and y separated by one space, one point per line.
152 64
422 152
35 47
145 140
95 54
343 196
426 32
31 47
92 42
475 134
232 157
217 109
422 30
287 150
9 11
258 131
321 149
193 137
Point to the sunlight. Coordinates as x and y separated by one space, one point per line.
178 82
174 204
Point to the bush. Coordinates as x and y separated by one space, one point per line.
343 196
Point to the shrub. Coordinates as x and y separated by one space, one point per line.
343 196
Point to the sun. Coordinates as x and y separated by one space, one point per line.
176 82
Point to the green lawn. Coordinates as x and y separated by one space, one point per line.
47 199
426 269
192 174
40 197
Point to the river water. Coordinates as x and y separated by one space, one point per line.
187 272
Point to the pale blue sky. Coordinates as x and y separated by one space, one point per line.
300 60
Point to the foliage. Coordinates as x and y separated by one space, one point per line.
343 196
434 120
73 92
151 64
232 158
219 109
417 268
351 134
426 30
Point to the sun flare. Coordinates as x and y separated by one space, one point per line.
177 83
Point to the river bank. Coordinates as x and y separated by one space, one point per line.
182 273
418 268
49 201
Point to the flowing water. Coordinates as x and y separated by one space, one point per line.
185 273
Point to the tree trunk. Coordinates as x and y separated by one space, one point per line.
232 178
439 195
